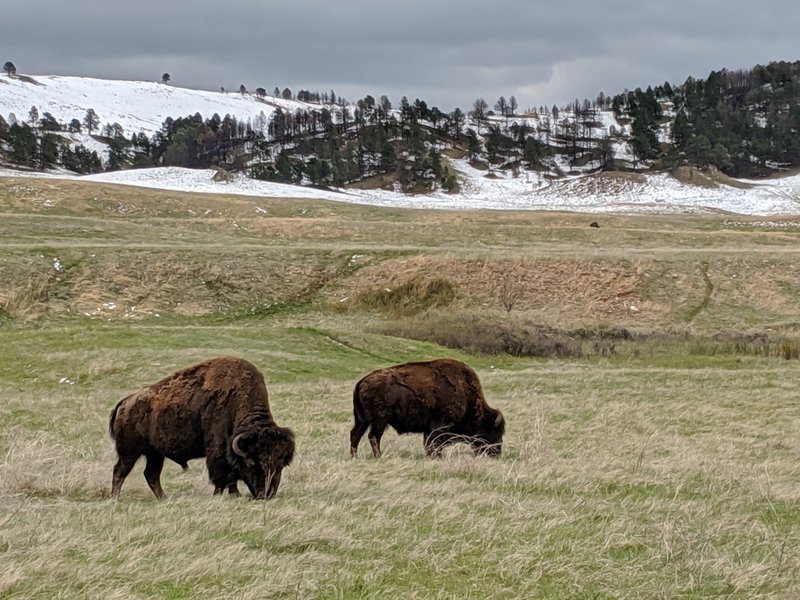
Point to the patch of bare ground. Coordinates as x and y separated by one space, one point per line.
707 177
455 152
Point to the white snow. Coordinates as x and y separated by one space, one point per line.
656 192
143 106
138 106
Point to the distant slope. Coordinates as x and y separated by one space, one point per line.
138 106
556 184
599 193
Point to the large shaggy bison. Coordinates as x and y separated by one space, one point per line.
218 409
441 399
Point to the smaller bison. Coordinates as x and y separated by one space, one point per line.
218 409
441 399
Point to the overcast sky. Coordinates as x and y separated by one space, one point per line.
445 52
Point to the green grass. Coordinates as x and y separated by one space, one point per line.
643 477
665 468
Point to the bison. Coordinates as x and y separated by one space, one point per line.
441 399
218 409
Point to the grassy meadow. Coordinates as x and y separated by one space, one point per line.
647 369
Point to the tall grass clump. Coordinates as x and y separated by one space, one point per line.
412 296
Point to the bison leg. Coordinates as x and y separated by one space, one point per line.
356 433
233 489
121 470
220 473
152 472
375 434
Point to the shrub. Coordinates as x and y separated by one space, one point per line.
410 297
486 334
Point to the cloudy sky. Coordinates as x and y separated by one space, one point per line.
446 52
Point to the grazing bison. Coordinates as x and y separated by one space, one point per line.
441 398
218 409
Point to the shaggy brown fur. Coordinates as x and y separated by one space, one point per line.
218 409
441 398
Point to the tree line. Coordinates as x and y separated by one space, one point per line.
744 122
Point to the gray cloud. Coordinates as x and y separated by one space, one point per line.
445 52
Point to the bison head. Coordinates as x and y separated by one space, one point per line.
260 454
488 439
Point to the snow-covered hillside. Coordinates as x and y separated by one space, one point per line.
143 106
653 193
138 106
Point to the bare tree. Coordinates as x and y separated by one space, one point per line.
479 108
501 106
509 291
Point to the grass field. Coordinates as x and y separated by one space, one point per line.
659 458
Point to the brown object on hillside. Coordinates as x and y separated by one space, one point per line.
441 399
218 409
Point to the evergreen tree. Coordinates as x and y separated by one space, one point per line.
49 151
9 68
48 123
24 146
165 78
473 144
91 121
457 121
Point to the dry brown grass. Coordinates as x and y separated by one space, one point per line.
554 290
668 470
614 482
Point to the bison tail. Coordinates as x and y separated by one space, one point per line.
111 420
357 413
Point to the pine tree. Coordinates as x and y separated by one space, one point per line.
91 121
24 146
457 120
48 151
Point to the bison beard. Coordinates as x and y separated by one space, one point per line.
442 399
218 409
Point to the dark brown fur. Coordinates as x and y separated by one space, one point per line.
218 409
441 399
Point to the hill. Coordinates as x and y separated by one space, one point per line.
643 150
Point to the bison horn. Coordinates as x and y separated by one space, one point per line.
235 446
499 420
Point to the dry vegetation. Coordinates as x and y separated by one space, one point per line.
647 370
